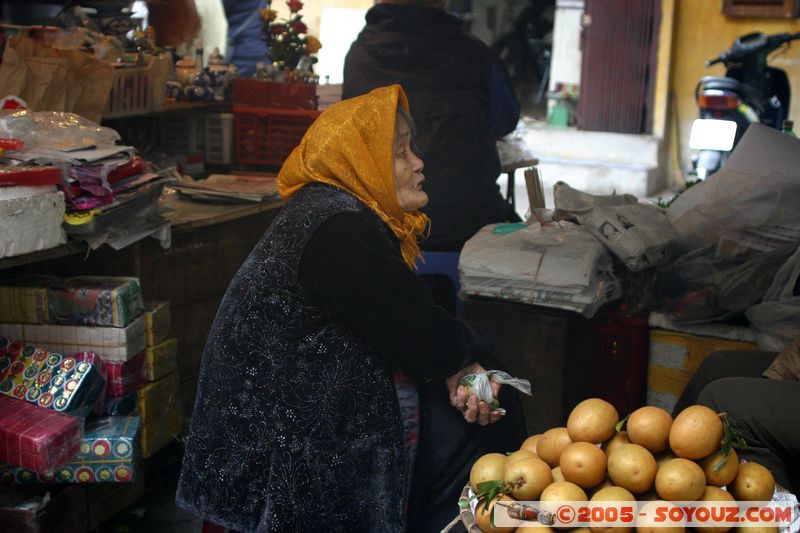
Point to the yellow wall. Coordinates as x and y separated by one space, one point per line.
701 33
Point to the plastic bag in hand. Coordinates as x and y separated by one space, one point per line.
480 385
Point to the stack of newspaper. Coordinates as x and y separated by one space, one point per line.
555 264
229 188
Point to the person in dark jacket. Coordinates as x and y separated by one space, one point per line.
461 101
246 43
328 358
761 410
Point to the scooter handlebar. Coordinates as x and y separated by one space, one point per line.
751 43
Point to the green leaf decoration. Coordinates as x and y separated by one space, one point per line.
729 438
621 423
489 491
489 485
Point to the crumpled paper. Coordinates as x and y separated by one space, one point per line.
480 385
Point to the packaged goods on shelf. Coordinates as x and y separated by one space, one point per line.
109 453
49 379
123 377
30 219
160 410
112 344
157 321
161 359
79 300
36 438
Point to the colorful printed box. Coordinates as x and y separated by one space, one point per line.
35 438
112 344
80 300
109 453
49 379
160 410
24 304
157 321
161 359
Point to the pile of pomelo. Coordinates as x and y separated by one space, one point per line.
649 457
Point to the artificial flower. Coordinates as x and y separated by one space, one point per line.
294 5
268 15
299 26
287 39
312 44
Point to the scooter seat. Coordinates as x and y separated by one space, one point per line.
720 83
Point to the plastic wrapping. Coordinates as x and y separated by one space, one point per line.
35 438
108 453
776 317
112 344
31 221
735 230
105 47
480 385
123 377
54 130
700 286
78 300
48 379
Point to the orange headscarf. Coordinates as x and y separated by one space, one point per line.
350 146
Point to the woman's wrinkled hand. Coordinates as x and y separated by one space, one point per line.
472 409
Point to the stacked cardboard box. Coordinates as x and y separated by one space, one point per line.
159 400
674 357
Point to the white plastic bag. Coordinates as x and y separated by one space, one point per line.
480 385
777 318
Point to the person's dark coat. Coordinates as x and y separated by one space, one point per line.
297 426
460 102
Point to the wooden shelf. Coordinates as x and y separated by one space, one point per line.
184 215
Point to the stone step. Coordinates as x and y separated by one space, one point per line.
573 144
600 178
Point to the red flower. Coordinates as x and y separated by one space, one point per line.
294 5
299 26
277 28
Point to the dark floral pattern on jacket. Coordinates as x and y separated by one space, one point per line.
296 424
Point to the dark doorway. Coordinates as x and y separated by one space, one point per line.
619 44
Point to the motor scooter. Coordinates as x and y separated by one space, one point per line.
750 91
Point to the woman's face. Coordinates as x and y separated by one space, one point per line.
408 178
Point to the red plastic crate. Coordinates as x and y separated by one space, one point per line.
251 92
621 348
266 136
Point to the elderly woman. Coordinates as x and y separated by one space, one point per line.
307 416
